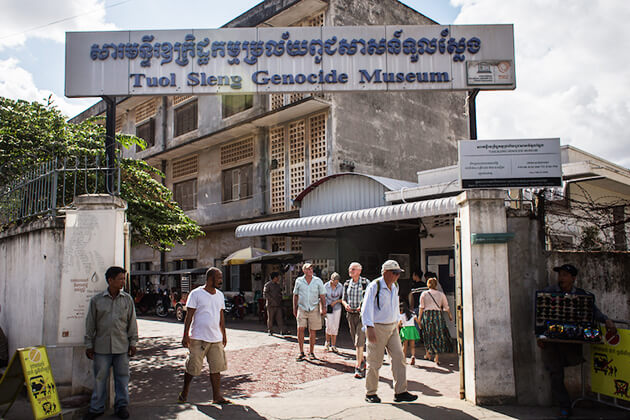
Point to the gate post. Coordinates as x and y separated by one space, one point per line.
488 352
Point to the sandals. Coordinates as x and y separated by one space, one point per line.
311 356
222 402
300 357
180 398
413 360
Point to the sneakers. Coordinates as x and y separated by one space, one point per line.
357 373
269 332
300 357
405 397
327 347
122 413
334 349
372 398
311 356
413 361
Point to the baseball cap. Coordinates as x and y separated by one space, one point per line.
306 265
391 265
569 268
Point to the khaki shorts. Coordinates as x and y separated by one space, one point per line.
311 319
356 329
213 352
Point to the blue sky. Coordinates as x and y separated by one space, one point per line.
572 74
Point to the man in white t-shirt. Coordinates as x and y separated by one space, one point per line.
207 338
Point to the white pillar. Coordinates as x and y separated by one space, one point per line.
93 241
488 354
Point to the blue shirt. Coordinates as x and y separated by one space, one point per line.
333 294
388 299
308 294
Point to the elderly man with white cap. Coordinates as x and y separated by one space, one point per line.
380 313
309 305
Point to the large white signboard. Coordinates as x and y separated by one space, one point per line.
93 242
510 163
306 59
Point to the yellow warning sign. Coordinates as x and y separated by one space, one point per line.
610 365
40 384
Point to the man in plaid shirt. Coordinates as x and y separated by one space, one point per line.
353 290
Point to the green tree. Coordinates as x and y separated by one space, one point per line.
32 133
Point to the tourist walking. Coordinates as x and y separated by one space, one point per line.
334 293
380 315
435 333
353 292
309 306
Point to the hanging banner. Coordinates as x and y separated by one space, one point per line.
293 59
610 365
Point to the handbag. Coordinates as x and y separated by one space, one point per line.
329 309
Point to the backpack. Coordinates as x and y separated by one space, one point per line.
378 292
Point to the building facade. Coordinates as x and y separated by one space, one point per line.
238 159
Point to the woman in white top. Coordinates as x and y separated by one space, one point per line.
334 292
434 330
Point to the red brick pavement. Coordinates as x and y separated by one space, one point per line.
272 369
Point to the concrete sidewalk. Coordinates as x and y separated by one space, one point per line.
265 382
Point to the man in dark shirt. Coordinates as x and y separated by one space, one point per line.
557 356
272 292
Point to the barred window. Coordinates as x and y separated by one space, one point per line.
233 104
186 118
146 131
237 183
185 193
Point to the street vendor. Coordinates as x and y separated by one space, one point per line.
556 356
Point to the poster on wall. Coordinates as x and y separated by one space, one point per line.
93 242
610 365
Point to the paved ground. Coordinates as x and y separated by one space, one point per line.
265 382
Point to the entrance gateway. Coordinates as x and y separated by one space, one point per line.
321 60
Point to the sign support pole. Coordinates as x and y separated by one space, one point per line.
472 113
110 145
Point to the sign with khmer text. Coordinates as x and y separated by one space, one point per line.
610 365
294 59
510 163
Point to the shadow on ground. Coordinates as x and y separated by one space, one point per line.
428 412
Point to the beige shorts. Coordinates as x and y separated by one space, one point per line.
311 319
213 352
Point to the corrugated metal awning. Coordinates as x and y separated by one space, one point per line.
373 215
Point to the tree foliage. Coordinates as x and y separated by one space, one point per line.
32 133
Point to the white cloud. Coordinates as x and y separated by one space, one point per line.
21 19
573 75
17 83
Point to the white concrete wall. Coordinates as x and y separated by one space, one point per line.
30 271
31 264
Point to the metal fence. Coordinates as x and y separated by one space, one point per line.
54 185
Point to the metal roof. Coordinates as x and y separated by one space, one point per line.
346 191
351 218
